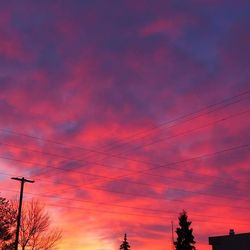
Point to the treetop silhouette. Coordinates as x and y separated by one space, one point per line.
125 245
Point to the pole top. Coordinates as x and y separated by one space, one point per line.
22 179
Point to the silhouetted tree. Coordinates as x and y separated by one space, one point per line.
35 232
125 245
7 224
185 238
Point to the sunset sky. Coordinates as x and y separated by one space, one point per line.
125 113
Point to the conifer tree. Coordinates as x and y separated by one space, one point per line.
125 245
185 238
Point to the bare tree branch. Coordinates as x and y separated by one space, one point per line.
35 231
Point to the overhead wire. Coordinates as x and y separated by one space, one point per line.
55 195
138 161
150 196
168 165
174 121
115 205
67 145
106 165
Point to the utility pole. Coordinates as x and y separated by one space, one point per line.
172 224
22 180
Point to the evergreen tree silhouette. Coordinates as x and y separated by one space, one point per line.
185 238
125 245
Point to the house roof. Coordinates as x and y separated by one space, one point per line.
216 240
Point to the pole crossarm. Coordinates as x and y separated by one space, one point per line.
22 179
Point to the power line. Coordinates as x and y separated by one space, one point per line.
143 195
192 130
138 161
182 117
174 125
117 205
125 158
158 197
191 159
153 197
168 165
158 165
142 215
67 145
169 199
153 163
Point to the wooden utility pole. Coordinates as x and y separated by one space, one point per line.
172 227
22 180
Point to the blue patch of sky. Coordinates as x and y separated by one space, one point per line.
202 41
69 127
